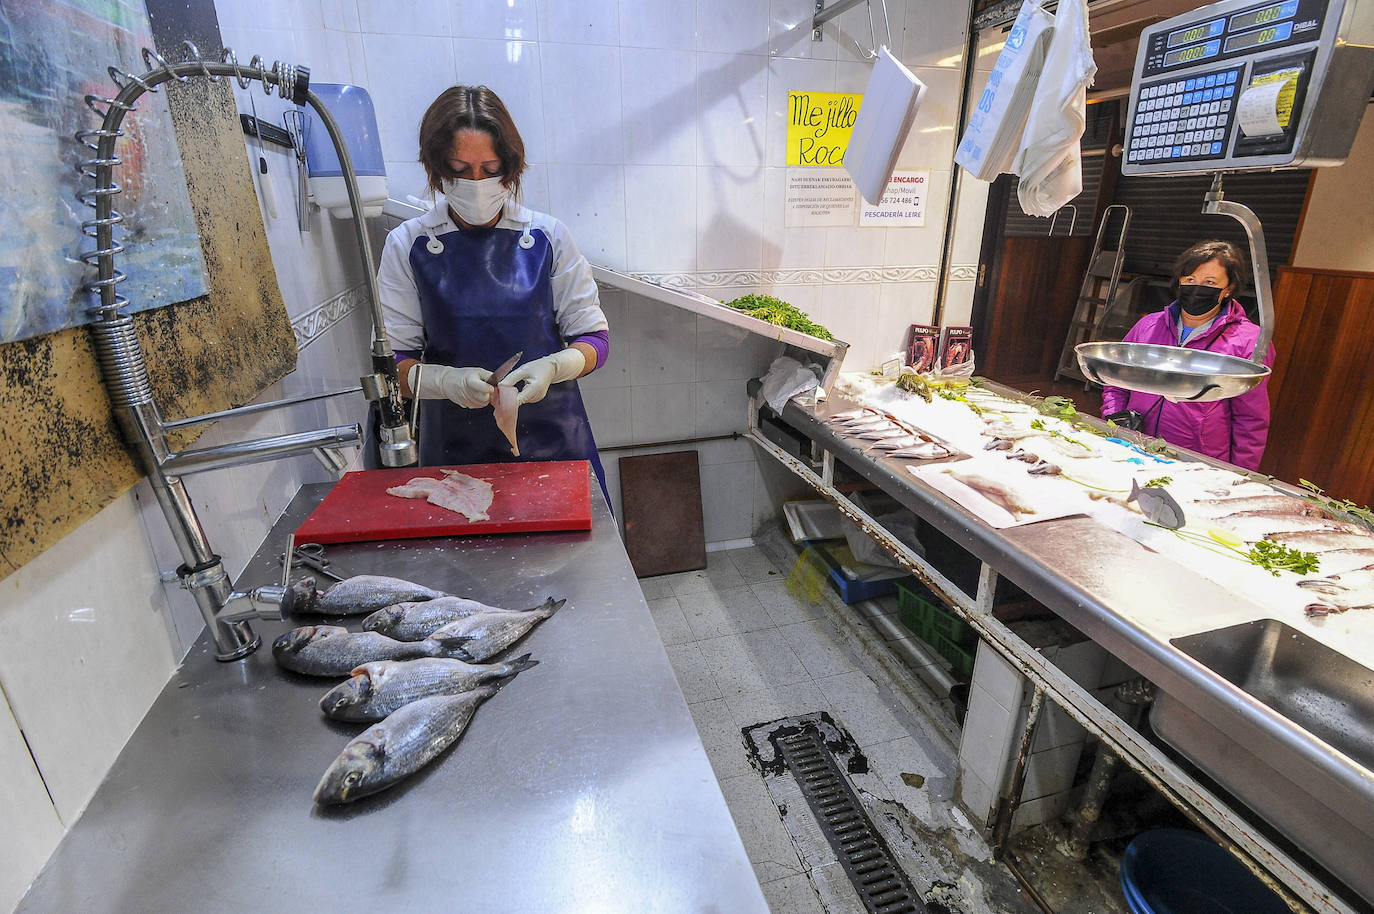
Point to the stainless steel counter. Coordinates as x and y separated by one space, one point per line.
1112 589
581 786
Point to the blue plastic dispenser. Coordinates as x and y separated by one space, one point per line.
352 108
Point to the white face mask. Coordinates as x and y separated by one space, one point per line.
475 202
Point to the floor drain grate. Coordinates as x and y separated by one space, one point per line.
881 884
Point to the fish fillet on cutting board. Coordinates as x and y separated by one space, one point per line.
527 497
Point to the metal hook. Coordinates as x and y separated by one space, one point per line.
873 33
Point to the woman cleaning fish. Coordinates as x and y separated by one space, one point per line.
481 281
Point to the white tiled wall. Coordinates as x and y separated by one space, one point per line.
653 128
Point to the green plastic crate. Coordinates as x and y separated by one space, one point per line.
951 637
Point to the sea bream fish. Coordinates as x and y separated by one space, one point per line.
376 689
1274 504
332 650
363 593
488 634
456 492
413 621
391 751
1320 541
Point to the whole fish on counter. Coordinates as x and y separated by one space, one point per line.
1270 504
1357 579
379 688
360 594
391 751
926 450
1320 541
413 621
995 491
488 634
332 650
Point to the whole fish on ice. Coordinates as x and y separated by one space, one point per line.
391 751
332 650
1345 582
995 491
360 594
376 689
488 634
413 621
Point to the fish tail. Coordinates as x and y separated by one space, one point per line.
550 606
1135 492
520 664
452 645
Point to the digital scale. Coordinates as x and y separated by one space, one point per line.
1243 86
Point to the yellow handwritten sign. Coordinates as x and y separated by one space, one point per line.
818 127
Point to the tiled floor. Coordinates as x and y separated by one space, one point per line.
747 651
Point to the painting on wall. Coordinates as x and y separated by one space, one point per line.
53 54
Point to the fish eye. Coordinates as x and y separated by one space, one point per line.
353 777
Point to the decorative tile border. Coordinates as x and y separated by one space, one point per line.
718 279
311 325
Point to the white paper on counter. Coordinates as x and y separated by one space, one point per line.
1047 503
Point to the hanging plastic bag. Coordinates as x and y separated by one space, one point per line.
1048 160
988 147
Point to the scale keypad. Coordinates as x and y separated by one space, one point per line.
1184 120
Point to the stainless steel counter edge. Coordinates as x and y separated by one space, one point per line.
581 786
1085 572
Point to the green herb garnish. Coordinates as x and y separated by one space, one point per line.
1039 424
776 311
1271 556
1158 482
1362 513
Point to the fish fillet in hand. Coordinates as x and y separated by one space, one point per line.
456 492
504 405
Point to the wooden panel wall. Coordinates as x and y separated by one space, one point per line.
1031 304
1322 390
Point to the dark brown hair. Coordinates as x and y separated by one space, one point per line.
1223 252
469 108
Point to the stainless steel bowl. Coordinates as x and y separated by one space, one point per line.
1173 372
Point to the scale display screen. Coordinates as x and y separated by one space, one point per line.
1196 33
1268 35
1192 53
1274 13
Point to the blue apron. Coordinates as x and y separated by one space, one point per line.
483 299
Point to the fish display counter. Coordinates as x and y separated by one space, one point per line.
1262 652
581 785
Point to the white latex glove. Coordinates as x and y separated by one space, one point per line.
467 387
538 374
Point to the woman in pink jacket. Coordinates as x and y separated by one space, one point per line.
1205 316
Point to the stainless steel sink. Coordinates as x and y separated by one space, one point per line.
1294 739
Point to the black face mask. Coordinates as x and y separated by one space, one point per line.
1198 300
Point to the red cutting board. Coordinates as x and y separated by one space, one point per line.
526 498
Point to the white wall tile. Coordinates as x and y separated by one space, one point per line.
253 14
732 26
664 340
511 70
722 407
583 22
660 104
930 144
989 730
850 312
726 501
339 14
787 248
958 308
31 825
406 179
732 108
417 17
789 28
660 210
582 110
512 19
970 211
591 200
663 412
664 24
729 220
357 58
400 103
269 44
325 52
786 75
933 37
899 305
728 352
976 796
534 188
616 370
608 410
65 637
